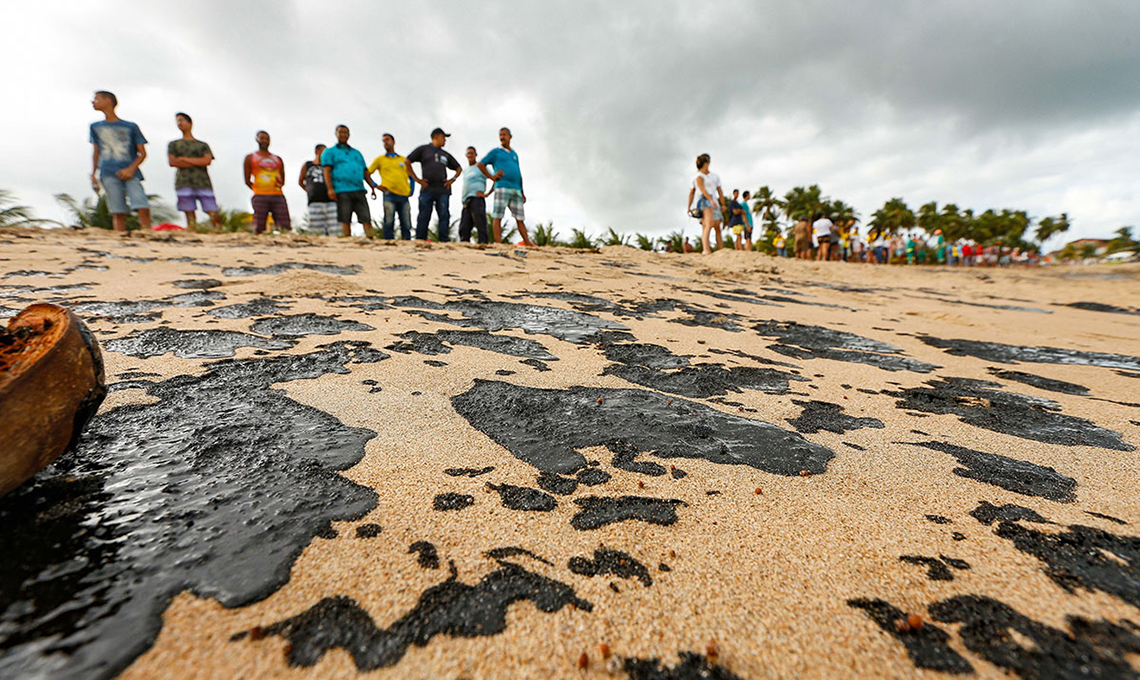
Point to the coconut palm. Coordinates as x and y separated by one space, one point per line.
1050 226
643 241
612 238
1123 241
765 203
579 239
94 212
929 219
803 204
674 242
893 216
17 215
545 235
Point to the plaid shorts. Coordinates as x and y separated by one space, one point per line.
508 198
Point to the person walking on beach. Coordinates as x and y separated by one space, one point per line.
192 183
119 150
345 174
706 185
265 174
801 234
474 200
396 186
322 209
745 197
435 186
822 227
508 186
736 220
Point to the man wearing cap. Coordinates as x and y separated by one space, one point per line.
435 186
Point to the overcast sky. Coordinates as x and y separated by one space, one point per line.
1026 104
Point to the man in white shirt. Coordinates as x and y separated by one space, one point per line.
822 229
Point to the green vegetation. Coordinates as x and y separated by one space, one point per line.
579 239
94 213
643 241
545 235
612 238
17 215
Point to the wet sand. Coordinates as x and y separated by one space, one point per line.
325 458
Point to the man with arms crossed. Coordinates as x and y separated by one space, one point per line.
474 200
119 150
192 180
322 209
435 186
265 174
345 174
397 189
509 186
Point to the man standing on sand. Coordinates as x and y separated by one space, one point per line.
801 233
435 187
397 189
474 200
745 197
822 227
322 209
192 181
508 188
736 220
119 150
345 175
265 174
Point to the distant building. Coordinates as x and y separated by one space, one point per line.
1080 249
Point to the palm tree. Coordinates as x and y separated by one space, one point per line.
94 213
928 218
1123 241
612 238
766 203
17 215
1050 226
839 212
544 235
643 241
579 239
674 242
893 216
803 204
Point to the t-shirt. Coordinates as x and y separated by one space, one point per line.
733 218
193 178
747 212
434 164
315 185
822 227
393 173
268 173
508 162
118 145
780 241
473 181
712 181
348 168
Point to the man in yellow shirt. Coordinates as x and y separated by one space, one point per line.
397 188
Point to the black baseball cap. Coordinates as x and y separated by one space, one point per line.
439 131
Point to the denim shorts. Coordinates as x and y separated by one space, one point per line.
119 191
703 203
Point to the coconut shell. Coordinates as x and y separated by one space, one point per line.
51 384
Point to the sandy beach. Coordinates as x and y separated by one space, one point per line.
328 458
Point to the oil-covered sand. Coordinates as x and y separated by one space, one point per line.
329 458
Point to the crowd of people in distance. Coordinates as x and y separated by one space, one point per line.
821 238
334 181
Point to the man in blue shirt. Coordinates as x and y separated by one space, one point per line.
509 186
119 150
474 200
345 174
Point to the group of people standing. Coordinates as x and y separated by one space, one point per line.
334 181
709 192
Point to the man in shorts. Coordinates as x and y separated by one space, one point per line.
744 198
396 187
736 220
435 186
345 175
508 186
322 209
822 228
265 174
474 200
192 180
119 150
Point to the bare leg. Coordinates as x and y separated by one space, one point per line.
215 220
191 220
119 221
719 240
345 229
497 227
522 232
144 219
706 227
369 231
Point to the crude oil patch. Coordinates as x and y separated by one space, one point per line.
196 283
441 342
1101 307
544 427
937 568
247 310
1012 354
612 562
287 266
822 415
215 488
692 666
524 498
1040 382
452 608
1014 475
564 324
982 404
297 325
658 368
600 511
209 344
801 341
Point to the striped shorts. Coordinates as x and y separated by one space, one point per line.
508 198
322 219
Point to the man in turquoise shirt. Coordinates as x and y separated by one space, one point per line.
345 174
509 186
